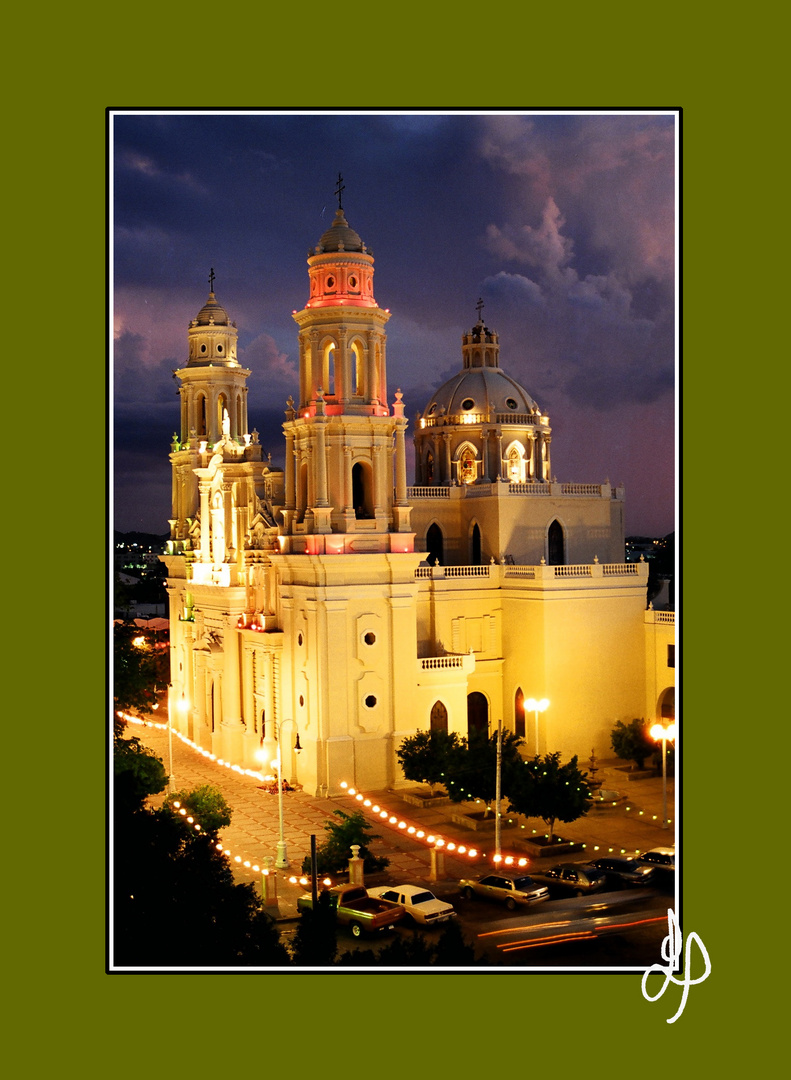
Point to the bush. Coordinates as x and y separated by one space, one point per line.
333 855
632 741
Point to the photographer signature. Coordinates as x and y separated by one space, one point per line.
671 952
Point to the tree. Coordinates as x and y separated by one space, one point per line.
475 766
334 854
205 803
632 741
175 900
542 787
429 756
140 669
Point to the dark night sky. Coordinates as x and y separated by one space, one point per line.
565 225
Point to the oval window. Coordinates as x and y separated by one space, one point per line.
370 701
432 410
203 348
467 404
330 282
510 403
352 282
219 348
369 638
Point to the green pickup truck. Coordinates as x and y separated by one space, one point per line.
357 910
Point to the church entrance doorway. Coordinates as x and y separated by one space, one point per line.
477 713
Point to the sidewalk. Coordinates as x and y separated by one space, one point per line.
634 823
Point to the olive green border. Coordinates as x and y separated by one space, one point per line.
68 72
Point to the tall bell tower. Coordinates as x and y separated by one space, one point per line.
345 455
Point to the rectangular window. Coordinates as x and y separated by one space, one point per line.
671 656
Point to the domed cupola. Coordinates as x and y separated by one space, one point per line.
341 266
476 410
212 336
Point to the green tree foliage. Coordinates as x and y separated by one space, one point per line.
315 942
632 741
140 669
175 900
206 804
430 756
138 773
332 857
543 787
475 766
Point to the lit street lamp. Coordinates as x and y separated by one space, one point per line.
536 707
660 733
281 859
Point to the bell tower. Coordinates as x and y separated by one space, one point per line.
345 453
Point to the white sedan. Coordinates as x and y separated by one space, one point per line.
420 903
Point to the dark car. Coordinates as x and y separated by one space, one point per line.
572 879
623 870
512 889
662 859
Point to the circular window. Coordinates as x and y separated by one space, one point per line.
370 701
432 410
330 282
467 404
510 403
369 638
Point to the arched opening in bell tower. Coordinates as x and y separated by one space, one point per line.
356 359
328 370
222 405
201 417
362 498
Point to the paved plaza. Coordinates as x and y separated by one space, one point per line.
633 822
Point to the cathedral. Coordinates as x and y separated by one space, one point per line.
325 611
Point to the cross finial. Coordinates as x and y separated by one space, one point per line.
211 279
339 191
478 308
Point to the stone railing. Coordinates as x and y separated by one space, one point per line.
434 663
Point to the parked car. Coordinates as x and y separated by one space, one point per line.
355 908
662 859
624 870
572 879
419 903
512 889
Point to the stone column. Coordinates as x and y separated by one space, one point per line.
400 463
205 521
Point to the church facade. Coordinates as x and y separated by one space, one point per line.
329 609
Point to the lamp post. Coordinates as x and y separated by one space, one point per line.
663 734
536 707
497 791
281 859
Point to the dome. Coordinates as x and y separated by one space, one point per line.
480 392
340 237
212 310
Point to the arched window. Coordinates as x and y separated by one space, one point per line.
439 717
475 546
468 467
519 713
201 415
555 545
357 369
328 371
515 466
429 475
361 490
434 545
477 713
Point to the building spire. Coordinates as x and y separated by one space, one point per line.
339 189
479 307
211 279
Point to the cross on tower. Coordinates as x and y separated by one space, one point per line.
479 307
339 191
211 279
